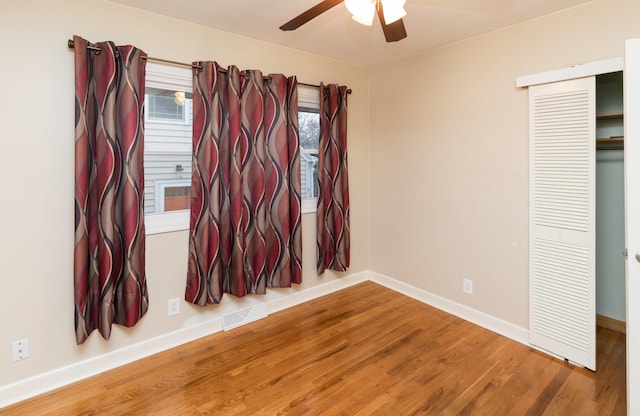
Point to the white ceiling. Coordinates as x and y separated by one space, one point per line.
429 23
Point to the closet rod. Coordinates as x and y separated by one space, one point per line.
184 64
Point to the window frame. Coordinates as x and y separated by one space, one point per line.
309 101
175 78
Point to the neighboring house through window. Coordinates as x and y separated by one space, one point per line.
167 153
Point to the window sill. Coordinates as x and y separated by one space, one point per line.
166 222
309 205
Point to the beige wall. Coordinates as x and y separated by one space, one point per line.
36 152
449 154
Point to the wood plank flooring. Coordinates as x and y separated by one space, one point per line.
365 350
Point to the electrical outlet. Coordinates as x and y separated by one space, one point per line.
20 349
174 306
467 286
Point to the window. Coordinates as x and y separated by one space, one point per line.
309 128
172 195
167 152
168 147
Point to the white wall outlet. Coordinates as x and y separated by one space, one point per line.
20 349
467 286
174 306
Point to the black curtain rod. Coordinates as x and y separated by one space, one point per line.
184 64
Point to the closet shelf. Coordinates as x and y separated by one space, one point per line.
613 115
612 139
614 142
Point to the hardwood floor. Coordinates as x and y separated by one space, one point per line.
362 351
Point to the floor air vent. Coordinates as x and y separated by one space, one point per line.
244 316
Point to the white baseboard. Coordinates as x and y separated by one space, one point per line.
42 383
482 319
297 298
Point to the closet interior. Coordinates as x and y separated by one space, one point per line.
610 238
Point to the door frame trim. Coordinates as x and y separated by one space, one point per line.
575 71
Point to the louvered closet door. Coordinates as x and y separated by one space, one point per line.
562 219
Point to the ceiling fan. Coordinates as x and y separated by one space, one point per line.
390 13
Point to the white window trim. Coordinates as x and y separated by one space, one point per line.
165 222
179 79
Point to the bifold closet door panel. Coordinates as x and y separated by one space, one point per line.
562 219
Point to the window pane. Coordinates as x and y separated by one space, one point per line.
309 126
161 107
167 156
309 175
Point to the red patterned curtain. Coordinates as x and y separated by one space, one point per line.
109 273
333 181
245 194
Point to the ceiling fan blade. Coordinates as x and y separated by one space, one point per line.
393 32
312 13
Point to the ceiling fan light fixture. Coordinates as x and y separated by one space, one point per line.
362 11
390 13
393 10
